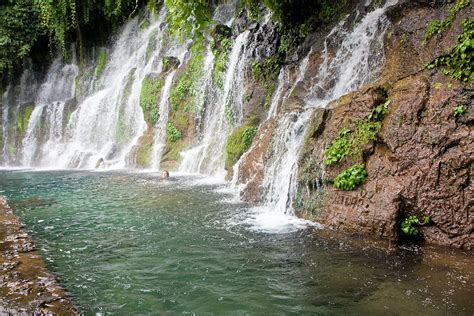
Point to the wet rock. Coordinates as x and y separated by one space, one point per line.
170 63
26 286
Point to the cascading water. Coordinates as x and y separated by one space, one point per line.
357 61
103 128
208 156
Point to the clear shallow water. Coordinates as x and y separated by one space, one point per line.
127 243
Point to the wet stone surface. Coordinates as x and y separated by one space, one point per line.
26 286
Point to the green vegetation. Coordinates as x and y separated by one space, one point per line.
186 86
151 88
459 62
439 26
173 133
351 178
238 143
459 110
101 63
28 24
339 148
408 225
188 18
221 51
352 143
23 118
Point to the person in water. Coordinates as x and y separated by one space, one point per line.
165 174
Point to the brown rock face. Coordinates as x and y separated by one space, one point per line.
422 162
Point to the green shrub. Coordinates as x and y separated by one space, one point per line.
173 133
459 62
409 223
439 26
238 143
351 178
151 89
460 110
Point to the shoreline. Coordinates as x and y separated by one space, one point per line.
26 285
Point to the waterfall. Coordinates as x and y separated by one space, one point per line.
160 134
108 121
221 114
358 60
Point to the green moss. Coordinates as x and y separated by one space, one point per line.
23 118
238 143
350 178
439 26
101 61
150 49
151 88
186 85
173 134
221 59
459 62
143 155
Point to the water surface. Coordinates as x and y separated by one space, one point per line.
130 243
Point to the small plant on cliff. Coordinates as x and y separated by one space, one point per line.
173 133
459 62
439 26
338 148
351 178
408 226
460 110
101 63
352 143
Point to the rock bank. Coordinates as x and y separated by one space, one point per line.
26 286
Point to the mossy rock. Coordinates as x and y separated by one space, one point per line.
101 62
238 143
150 93
170 63
24 117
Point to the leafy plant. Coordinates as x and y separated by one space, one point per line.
408 225
459 110
379 112
439 26
173 133
351 143
459 62
338 148
351 178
